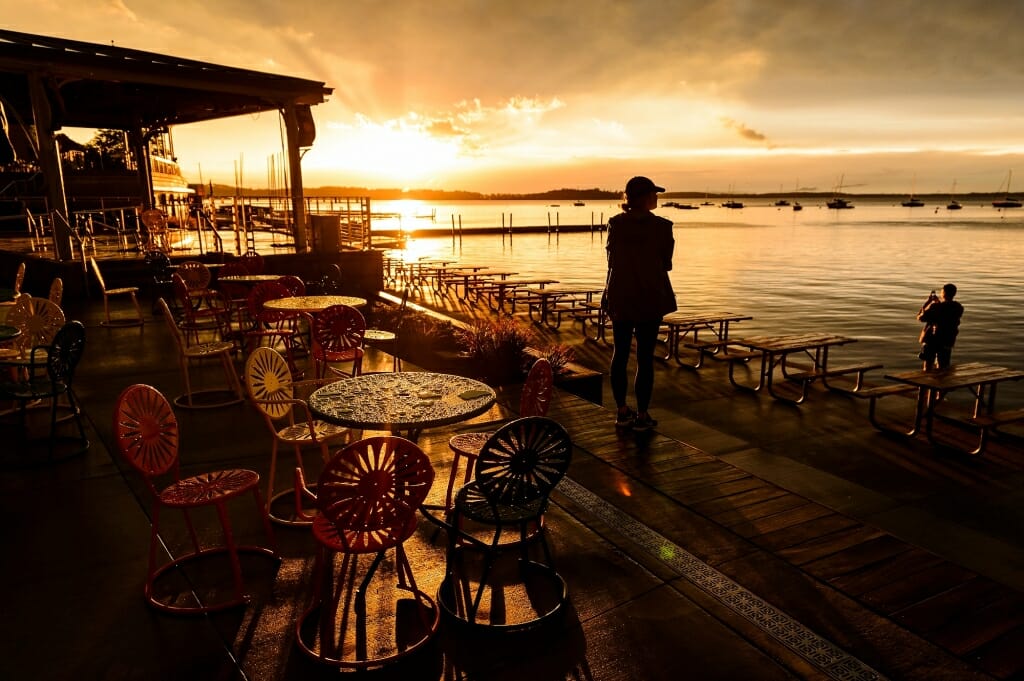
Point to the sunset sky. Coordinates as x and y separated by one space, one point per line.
529 95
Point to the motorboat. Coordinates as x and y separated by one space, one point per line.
781 202
912 202
732 204
797 206
578 203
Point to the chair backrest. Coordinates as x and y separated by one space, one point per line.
195 274
253 262
65 353
269 381
38 319
56 290
180 289
19 279
172 326
371 490
146 431
536 397
295 286
154 219
339 327
233 269
159 265
95 266
261 293
523 461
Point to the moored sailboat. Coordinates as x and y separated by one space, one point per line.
837 201
953 203
1007 201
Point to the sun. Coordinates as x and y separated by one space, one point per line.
394 154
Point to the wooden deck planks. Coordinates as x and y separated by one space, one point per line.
972 617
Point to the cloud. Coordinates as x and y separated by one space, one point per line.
743 130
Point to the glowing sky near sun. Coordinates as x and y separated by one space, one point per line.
754 95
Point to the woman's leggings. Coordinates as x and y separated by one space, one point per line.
646 337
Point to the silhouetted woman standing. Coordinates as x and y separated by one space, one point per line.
638 294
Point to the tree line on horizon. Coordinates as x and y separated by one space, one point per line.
564 194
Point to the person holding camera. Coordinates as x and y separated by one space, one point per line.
941 316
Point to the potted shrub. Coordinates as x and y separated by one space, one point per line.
497 345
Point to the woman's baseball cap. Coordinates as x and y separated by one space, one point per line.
640 185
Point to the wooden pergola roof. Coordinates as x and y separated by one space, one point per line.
99 86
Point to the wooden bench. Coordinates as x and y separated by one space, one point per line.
814 374
733 355
878 391
999 418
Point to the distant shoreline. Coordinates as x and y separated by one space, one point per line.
224 191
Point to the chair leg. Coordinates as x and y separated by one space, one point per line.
138 310
183 361
229 542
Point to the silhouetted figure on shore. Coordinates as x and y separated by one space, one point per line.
638 294
941 316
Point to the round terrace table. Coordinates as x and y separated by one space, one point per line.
403 402
311 304
250 278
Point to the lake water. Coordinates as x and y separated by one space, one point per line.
863 272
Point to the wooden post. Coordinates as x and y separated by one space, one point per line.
291 126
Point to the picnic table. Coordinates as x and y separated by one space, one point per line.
499 290
933 384
684 329
547 302
774 351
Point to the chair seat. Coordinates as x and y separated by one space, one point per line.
209 488
326 532
208 349
299 432
472 504
34 389
126 289
346 355
469 444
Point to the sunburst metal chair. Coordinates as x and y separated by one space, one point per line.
220 350
48 375
38 319
56 291
208 313
272 390
146 432
515 473
534 401
130 291
367 497
338 333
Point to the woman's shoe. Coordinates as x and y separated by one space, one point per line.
643 422
624 418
